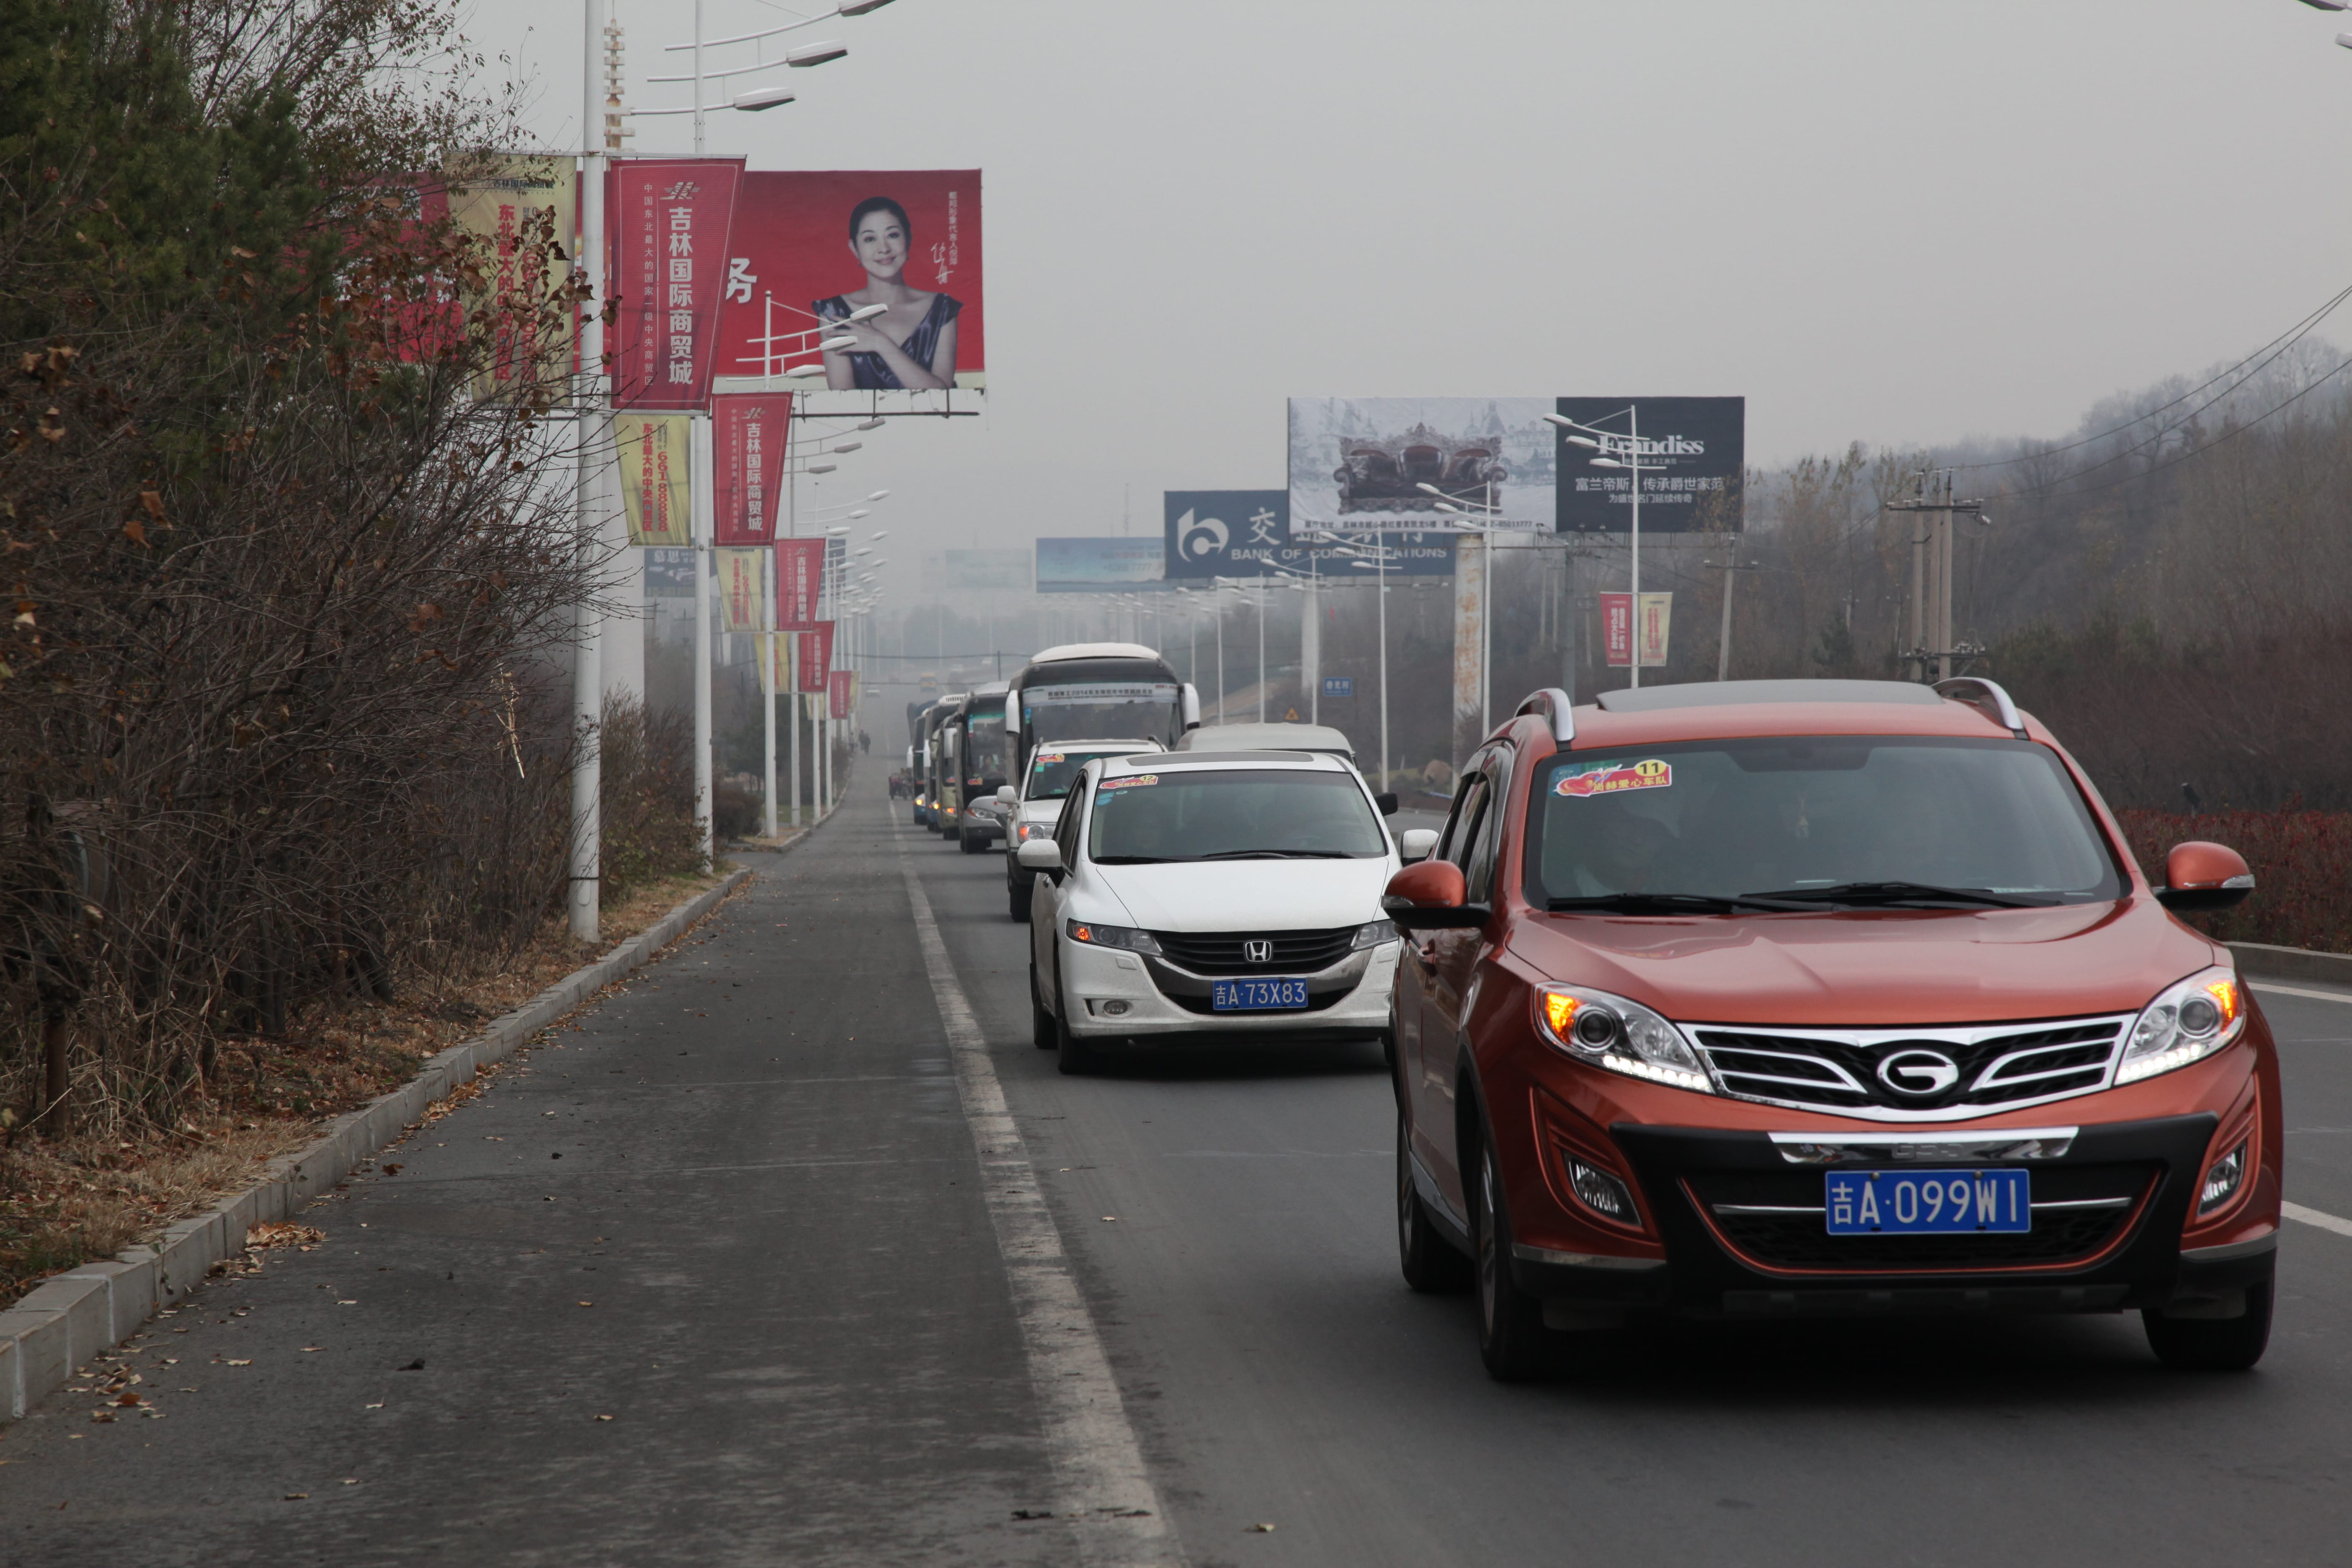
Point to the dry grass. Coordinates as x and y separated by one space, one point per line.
65 1201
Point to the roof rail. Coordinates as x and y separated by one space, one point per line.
2003 710
1556 705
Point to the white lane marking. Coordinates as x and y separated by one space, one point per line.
2299 990
1097 1463
2315 1217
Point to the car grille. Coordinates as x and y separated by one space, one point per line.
1991 1066
2065 1229
1220 952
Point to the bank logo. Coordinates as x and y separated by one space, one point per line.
1211 534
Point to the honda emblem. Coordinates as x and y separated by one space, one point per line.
1257 950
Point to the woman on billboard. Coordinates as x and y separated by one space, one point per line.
912 344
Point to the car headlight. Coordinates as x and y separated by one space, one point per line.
1373 934
1028 830
2188 1021
1127 937
1624 1037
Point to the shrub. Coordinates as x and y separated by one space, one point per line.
2302 862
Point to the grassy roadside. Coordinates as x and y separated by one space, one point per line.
66 1201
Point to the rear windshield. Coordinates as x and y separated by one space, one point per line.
1252 813
1728 819
1051 772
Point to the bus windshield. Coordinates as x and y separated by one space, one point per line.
1144 709
984 749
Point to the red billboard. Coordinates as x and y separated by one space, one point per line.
840 693
747 454
1621 628
667 222
816 661
800 580
810 250
1617 628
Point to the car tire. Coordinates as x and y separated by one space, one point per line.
1077 1056
964 842
1510 1322
2213 1344
1041 1023
1017 900
1431 1264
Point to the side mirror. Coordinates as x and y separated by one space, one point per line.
1188 705
1416 844
1430 896
1387 802
1006 796
2203 876
1040 855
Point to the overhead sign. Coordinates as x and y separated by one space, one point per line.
669 219
976 572
1625 629
1246 534
812 248
747 434
1691 452
1100 565
800 583
1359 464
670 573
1338 685
653 453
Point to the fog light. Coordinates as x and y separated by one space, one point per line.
2222 1178
1601 1193
1115 1009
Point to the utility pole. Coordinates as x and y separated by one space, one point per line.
1731 570
1934 511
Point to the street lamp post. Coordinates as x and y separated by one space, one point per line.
1629 447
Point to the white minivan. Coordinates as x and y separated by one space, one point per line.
1226 893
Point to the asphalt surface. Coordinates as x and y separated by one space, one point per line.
803 1334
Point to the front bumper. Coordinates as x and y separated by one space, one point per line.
1351 997
1744 1235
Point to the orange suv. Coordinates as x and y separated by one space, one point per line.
1788 997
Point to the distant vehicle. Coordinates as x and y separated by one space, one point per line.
1268 737
928 789
1097 689
974 742
1784 998
1212 893
1035 803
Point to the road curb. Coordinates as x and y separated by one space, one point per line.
70 1317
2260 957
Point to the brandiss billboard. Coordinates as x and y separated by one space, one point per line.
1246 534
1383 465
1691 452
812 249
1100 565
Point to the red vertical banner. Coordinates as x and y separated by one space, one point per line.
1617 628
800 579
840 693
817 657
747 456
669 223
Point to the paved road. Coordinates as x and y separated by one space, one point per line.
813 1351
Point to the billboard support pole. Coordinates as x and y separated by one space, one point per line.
1310 642
1634 461
767 645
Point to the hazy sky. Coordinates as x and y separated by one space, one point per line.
1881 221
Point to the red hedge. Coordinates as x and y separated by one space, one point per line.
2302 862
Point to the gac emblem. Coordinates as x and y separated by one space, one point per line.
1919 1072
1257 950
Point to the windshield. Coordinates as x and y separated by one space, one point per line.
1146 709
1051 772
1233 814
1816 822
984 749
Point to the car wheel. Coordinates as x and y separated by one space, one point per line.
2213 1344
1040 1022
1077 1056
1016 900
1510 1322
1431 1264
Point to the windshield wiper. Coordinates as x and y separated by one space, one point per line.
1889 893
1278 854
1672 904
1137 859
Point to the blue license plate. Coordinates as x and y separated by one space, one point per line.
1936 1203
1256 996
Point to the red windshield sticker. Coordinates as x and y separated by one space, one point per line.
1131 782
1047 759
1649 775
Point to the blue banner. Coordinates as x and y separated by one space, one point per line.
1126 565
1246 534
